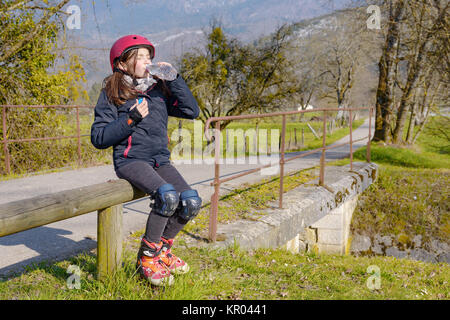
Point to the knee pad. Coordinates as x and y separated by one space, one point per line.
190 204
166 200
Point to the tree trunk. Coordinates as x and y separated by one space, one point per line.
412 122
387 66
397 136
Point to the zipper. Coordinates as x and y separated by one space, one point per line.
125 153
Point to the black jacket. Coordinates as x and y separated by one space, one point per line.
146 140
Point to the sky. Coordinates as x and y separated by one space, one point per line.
177 25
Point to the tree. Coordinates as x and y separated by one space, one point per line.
29 48
340 54
230 78
426 21
416 42
208 73
387 67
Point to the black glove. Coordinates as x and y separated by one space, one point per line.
135 115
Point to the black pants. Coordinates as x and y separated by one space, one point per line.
144 177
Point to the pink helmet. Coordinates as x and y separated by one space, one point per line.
127 43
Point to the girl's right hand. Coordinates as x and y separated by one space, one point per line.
141 107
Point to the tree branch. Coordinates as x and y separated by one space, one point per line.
11 51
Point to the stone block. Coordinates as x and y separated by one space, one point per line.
360 243
330 221
293 245
330 236
314 218
330 248
311 235
395 252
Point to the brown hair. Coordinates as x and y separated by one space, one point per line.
161 85
117 90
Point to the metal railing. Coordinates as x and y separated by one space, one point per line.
7 141
217 136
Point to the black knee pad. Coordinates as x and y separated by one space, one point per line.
190 204
166 200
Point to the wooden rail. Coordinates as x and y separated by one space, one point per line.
105 198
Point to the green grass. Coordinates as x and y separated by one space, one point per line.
388 206
410 196
248 202
233 273
430 151
405 202
403 157
292 129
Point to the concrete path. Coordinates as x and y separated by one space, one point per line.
65 238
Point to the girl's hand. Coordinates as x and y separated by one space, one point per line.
141 107
167 71
164 64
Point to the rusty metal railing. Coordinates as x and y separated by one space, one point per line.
7 141
282 161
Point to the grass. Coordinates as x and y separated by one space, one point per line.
410 196
403 157
248 202
233 273
239 129
405 202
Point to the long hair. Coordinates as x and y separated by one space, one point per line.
117 90
161 85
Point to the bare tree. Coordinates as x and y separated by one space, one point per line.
426 19
387 67
231 78
416 42
340 58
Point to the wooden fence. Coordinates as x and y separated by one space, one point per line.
105 198
108 198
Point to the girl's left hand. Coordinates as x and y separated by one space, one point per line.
169 71
164 64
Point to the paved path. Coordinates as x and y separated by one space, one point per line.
65 238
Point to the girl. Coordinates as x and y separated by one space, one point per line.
137 131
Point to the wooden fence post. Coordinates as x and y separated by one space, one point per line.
295 138
109 240
303 137
313 131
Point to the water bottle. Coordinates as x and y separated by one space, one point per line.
162 71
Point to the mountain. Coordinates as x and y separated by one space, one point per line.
175 26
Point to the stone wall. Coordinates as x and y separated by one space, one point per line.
313 217
391 246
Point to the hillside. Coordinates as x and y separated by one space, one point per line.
177 26
180 26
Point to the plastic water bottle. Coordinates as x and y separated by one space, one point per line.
162 71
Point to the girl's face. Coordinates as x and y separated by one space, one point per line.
141 60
